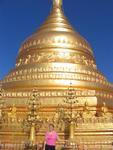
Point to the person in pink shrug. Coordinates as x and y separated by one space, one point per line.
50 138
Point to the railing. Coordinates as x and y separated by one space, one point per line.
95 147
16 146
10 146
85 146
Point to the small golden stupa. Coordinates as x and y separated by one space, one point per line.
53 60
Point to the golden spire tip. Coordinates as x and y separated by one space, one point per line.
57 3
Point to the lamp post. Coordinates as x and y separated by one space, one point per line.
71 116
33 120
2 106
66 113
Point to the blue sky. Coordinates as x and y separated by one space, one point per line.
93 19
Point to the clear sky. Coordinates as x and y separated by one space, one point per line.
92 18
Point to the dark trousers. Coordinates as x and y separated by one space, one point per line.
49 147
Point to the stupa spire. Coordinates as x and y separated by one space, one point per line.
57 3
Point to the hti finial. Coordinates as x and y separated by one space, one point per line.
57 3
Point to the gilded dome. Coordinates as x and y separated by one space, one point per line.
59 63
54 56
56 32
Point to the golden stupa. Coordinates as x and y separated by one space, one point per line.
53 60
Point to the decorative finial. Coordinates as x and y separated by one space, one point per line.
57 3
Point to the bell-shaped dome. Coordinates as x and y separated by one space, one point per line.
54 56
56 32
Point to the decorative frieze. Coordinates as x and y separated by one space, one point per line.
50 42
50 57
55 68
60 93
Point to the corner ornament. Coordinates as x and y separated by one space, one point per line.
57 3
